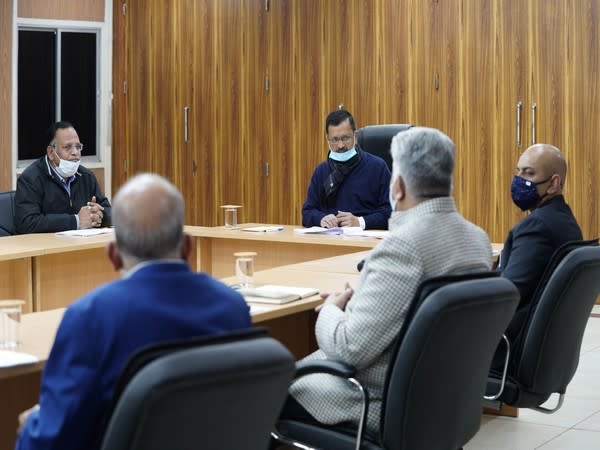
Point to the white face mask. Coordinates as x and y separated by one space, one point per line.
392 199
66 168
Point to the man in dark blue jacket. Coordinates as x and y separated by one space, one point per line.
536 187
158 299
56 193
351 188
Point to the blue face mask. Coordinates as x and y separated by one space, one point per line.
342 156
524 192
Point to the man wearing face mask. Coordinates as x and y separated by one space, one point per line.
56 193
158 299
351 188
428 238
536 187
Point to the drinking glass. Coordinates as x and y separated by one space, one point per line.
244 268
10 323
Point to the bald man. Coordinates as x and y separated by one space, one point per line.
536 187
158 299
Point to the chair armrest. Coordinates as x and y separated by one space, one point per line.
336 368
497 395
342 370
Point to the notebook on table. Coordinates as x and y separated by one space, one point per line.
276 294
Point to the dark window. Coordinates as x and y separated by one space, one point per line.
41 82
37 91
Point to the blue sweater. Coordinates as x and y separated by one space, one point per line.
364 193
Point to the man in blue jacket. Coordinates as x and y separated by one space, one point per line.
158 299
350 188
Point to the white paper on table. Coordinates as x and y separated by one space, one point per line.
85 232
358 231
257 309
9 358
264 229
319 230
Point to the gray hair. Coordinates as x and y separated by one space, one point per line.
148 216
424 158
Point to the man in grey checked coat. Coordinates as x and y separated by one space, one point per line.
428 238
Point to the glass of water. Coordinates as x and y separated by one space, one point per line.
231 219
10 323
244 268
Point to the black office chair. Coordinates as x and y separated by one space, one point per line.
211 393
377 139
548 354
7 213
437 373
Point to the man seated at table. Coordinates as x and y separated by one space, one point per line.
428 238
56 193
536 187
158 299
351 188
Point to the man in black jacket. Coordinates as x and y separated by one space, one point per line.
536 187
55 193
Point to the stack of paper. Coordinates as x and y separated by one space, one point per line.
264 229
319 230
85 232
276 294
347 231
357 231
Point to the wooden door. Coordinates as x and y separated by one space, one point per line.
428 76
152 59
224 79
492 80
565 48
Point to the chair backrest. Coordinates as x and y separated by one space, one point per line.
556 258
438 373
552 338
7 213
219 394
377 139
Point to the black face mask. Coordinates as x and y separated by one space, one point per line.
524 192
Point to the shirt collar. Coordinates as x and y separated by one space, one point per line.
434 205
142 265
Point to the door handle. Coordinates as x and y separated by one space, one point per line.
186 136
519 109
533 111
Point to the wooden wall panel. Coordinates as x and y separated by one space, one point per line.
151 101
92 10
393 37
582 112
458 66
6 15
564 48
472 99
119 111
509 63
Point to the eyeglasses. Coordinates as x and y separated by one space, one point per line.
345 139
68 148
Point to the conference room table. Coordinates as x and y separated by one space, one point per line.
291 323
215 246
48 271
